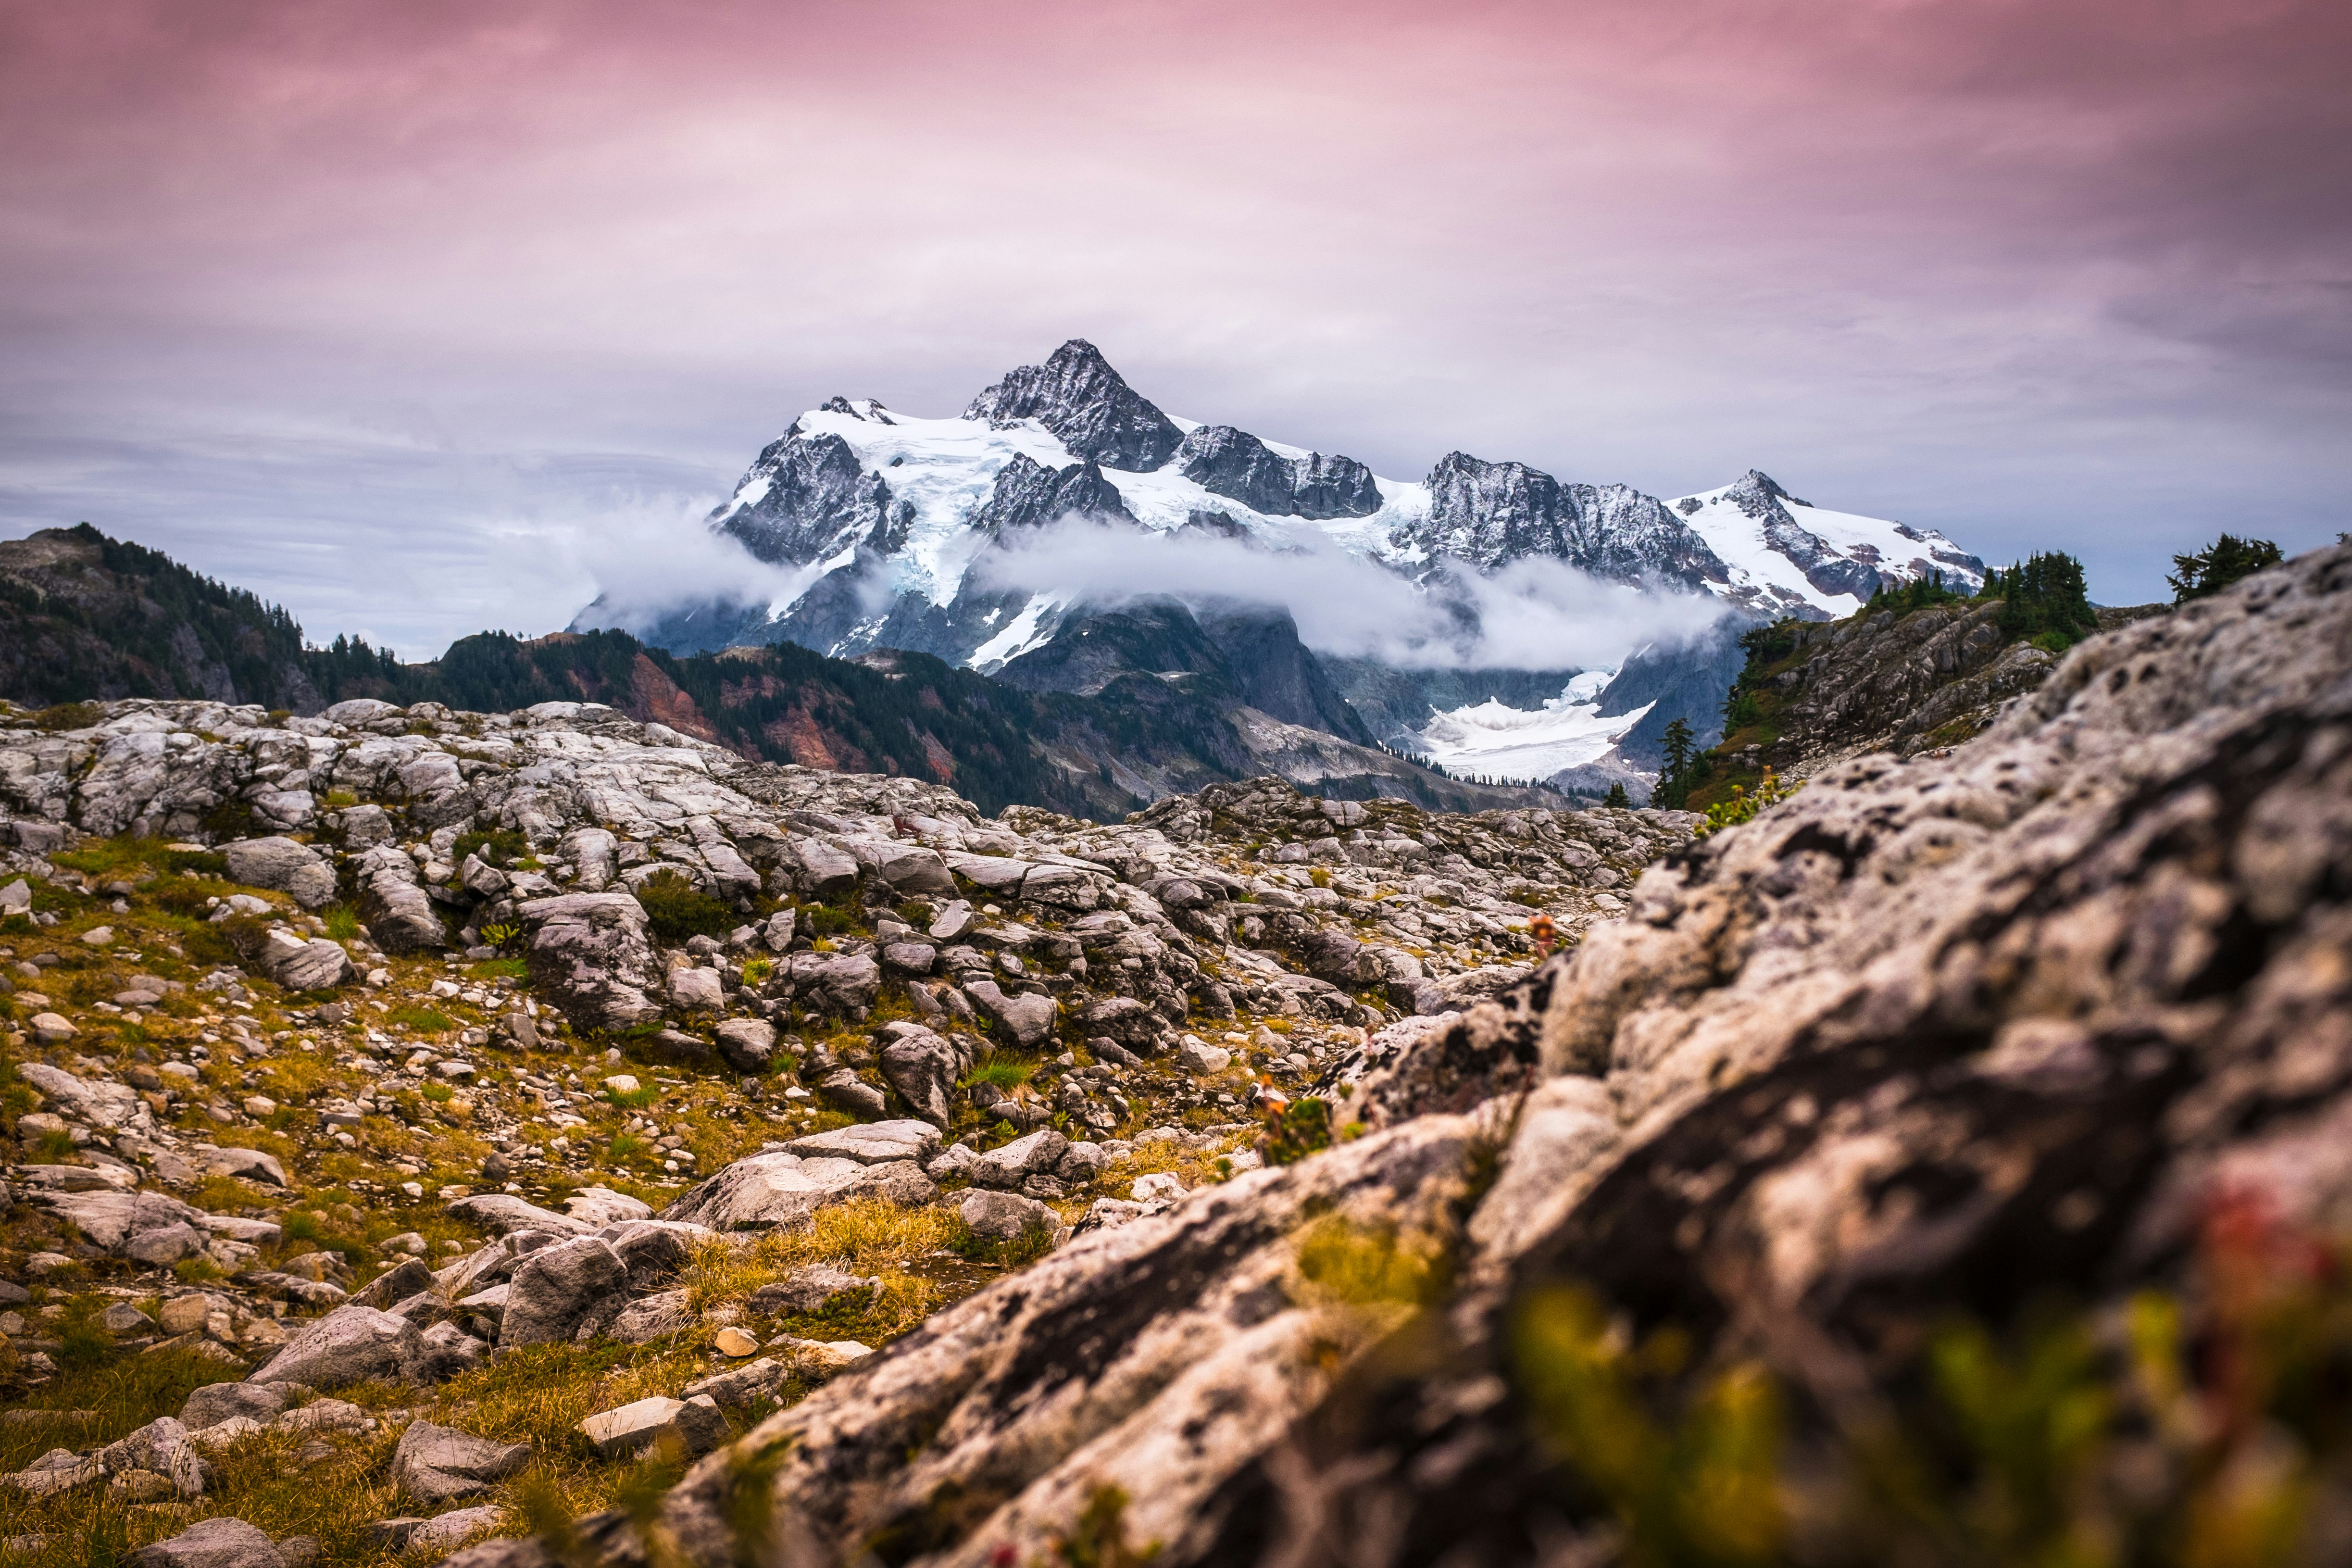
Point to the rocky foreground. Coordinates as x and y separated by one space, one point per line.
1948 1165
463 1110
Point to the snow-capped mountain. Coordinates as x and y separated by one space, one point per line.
891 522
908 505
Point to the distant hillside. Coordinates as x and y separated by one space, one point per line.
1916 669
83 616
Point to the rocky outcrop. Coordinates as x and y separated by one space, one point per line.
1932 1036
1887 679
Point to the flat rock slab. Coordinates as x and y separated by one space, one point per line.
872 1142
210 1543
695 1425
781 1189
437 1464
502 1214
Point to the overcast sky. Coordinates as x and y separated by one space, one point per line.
421 317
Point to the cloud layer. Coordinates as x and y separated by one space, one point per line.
1533 615
333 297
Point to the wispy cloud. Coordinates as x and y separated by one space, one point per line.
1534 615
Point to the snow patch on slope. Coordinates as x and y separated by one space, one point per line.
1529 743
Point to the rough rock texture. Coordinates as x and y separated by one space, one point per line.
350 1344
436 1465
781 1189
283 864
1903 682
589 952
569 1291
210 1543
1931 1034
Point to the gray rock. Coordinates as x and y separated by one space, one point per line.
846 1090
570 1292
318 964
1031 1155
747 1045
436 1464
872 1142
810 1288
1028 1019
652 1317
697 989
1000 1218
210 1543
217 1401
782 1190
923 1067
283 864
351 1345
590 954
694 1427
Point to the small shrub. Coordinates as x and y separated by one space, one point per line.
423 1020
1320 875
499 847
342 922
678 911
1031 1245
1001 1074
1098 1538
825 920
70 716
756 971
1742 806
1296 1129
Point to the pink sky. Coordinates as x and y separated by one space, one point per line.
382 309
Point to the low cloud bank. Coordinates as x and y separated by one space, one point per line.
646 565
1532 615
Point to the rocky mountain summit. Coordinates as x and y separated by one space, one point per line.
1656 1255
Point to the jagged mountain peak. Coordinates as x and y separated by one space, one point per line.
1087 405
1763 488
